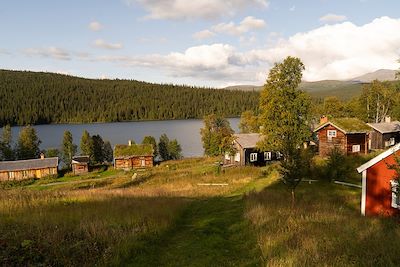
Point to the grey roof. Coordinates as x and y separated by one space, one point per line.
386 127
29 164
247 140
80 159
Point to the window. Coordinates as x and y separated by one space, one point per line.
227 156
11 175
395 198
392 141
237 157
331 133
278 155
356 148
253 157
267 155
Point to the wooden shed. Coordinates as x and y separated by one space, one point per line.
27 169
349 135
385 134
379 185
80 164
247 152
131 156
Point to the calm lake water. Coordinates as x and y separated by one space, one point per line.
187 132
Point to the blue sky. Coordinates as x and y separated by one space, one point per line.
205 43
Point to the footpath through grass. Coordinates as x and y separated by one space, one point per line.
211 232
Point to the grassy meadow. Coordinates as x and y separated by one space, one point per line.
170 216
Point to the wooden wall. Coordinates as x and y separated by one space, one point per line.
134 162
27 174
325 145
357 139
80 168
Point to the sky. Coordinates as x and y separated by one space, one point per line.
212 43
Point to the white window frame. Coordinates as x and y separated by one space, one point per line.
278 155
392 141
331 133
395 198
253 157
356 148
237 157
11 175
227 156
267 155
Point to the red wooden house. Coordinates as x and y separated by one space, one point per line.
349 135
379 185
131 156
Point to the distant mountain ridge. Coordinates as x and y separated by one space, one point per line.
343 89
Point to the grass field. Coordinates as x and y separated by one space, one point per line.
167 217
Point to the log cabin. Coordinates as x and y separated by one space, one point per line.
379 184
384 134
247 152
128 157
349 135
80 165
28 169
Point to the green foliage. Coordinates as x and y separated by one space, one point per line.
68 148
249 122
6 150
108 151
86 144
334 107
377 100
28 144
52 152
98 149
285 118
150 140
336 166
169 149
217 136
54 98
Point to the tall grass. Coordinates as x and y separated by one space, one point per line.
324 229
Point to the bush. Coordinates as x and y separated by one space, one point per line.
337 166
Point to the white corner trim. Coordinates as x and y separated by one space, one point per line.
364 192
378 158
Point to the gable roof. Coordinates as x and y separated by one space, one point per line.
386 127
29 164
346 125
80 159
127 151
249 140
378 158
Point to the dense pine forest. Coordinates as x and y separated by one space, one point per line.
41 98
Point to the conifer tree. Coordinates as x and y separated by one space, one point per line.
28 144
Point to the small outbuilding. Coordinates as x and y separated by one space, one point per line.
384 134
28 169
247 152
349 135
132 156
80 164
379 185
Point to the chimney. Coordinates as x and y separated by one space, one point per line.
41 156
388 119
323 119
129 142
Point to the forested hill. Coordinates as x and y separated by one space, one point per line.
40 98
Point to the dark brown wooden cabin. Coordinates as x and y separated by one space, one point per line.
80 165
27 169
247 152
349 135
132 156
384 135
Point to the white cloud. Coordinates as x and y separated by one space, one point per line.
293 8
103 44
205 9
247 24
203 35
331 18
50 52
95 26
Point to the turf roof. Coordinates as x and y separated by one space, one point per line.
348 125
133 150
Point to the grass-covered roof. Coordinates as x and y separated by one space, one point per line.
133 150
351 125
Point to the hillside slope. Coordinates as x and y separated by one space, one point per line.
40 98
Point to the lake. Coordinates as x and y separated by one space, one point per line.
187 132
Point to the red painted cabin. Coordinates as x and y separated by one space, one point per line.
379 185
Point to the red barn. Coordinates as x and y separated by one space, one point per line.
379 186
